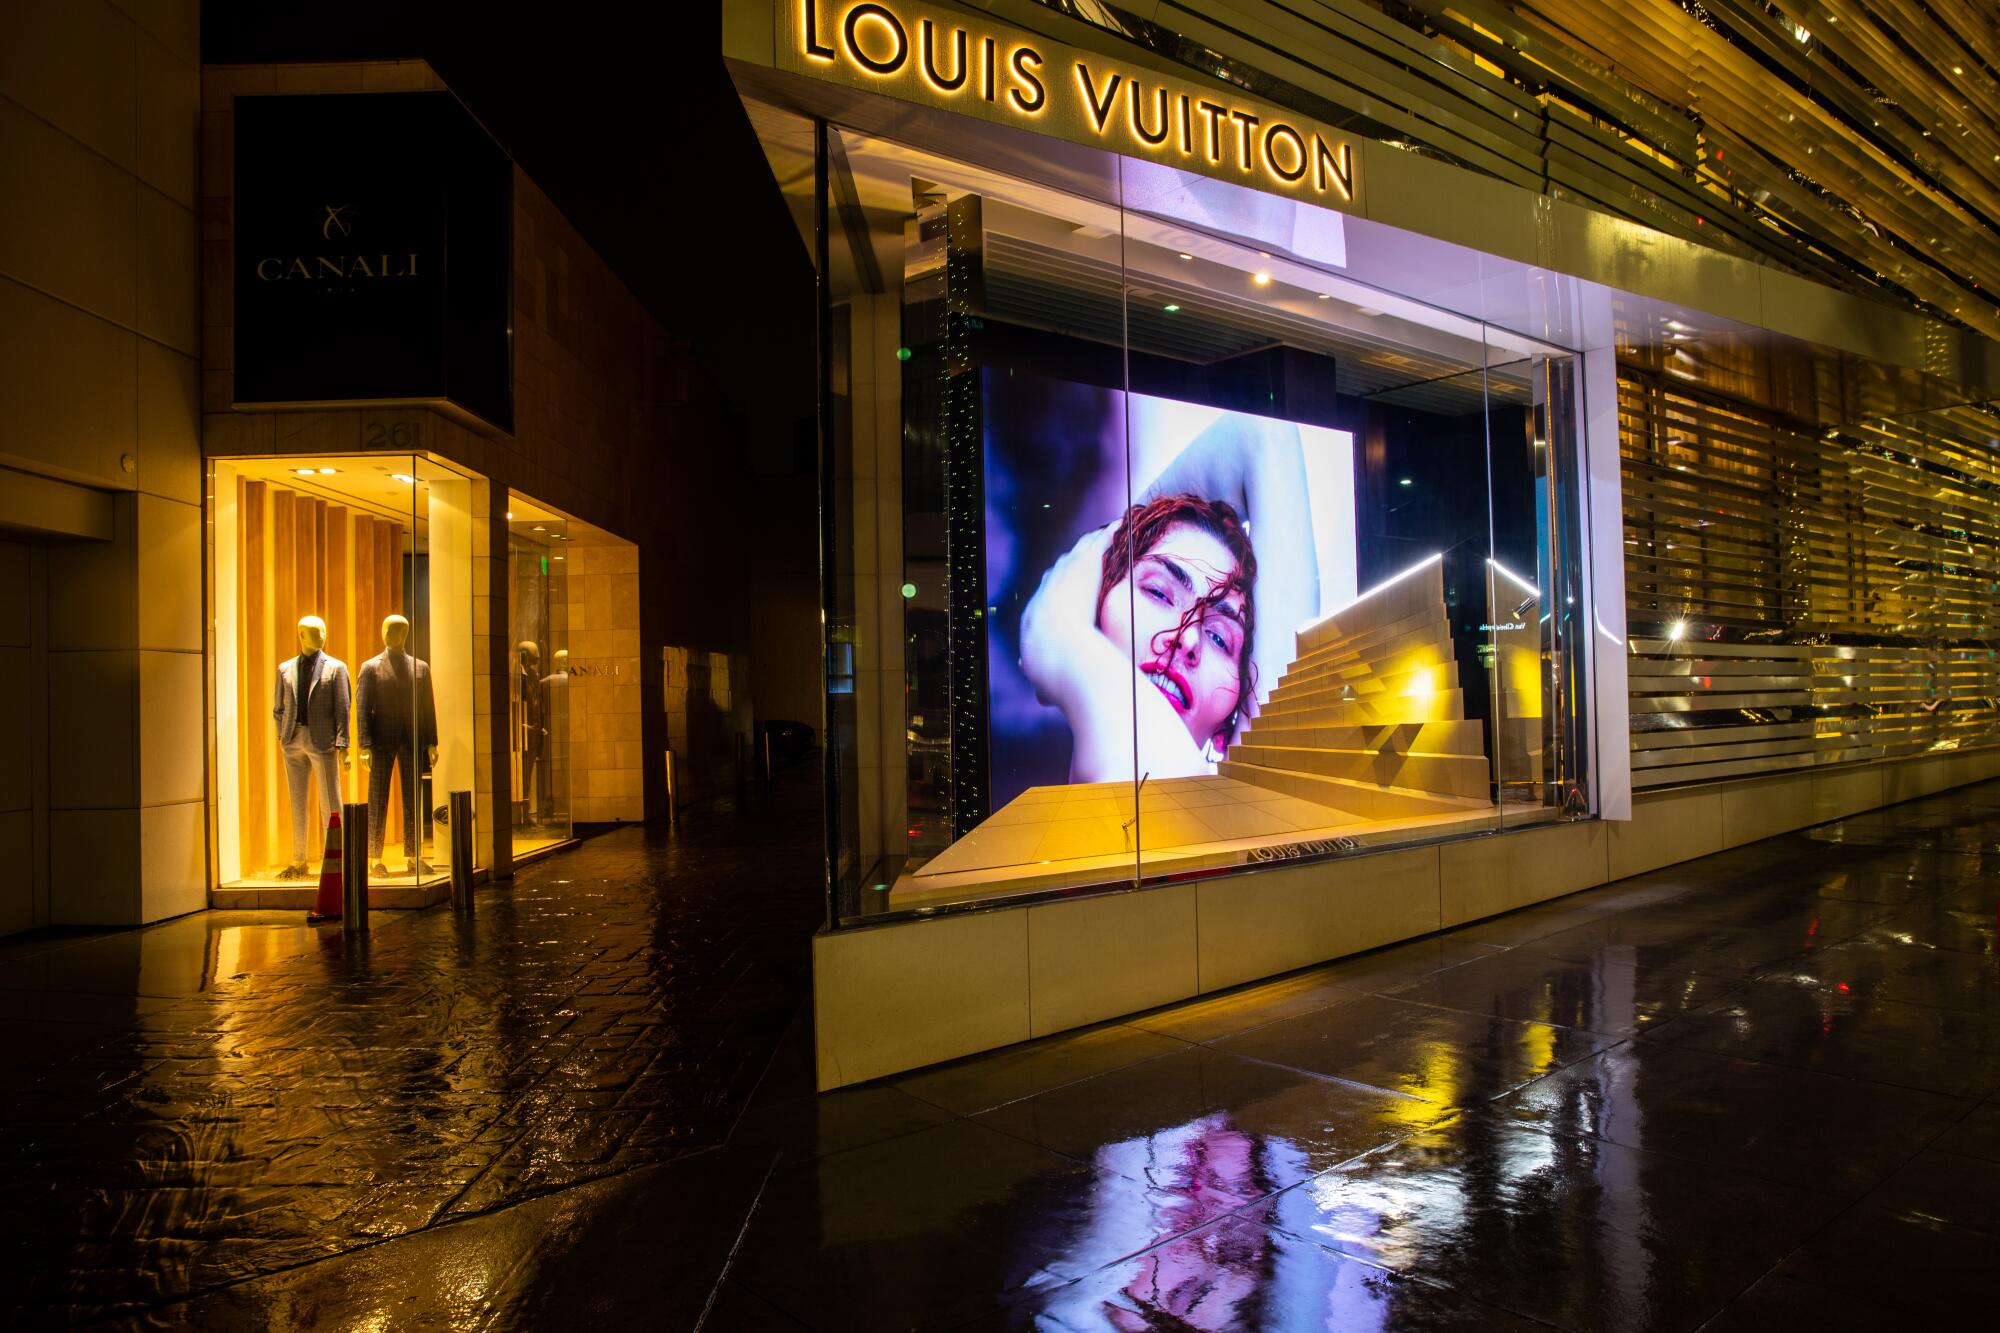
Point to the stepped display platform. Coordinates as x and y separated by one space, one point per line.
1363 740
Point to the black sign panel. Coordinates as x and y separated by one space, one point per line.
373 253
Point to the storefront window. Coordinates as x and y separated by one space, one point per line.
1172 529
539 548
343 664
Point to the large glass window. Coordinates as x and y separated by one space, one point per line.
341 591
538 695
1171 529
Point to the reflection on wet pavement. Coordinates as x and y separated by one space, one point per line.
1758 1091
1698 1095
205 1104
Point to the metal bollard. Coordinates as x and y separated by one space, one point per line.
461 851
673 797
354 868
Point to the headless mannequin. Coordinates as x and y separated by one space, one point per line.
397 717
535 726
310 708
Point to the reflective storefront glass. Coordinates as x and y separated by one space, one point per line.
1172 529
341 592
538 696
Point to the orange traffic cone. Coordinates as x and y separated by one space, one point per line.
327 908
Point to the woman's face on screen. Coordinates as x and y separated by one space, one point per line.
1194 661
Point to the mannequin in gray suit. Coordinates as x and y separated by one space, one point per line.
310 708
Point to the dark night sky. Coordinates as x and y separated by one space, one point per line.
625 116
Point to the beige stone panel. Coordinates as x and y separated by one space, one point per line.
93 587
1900 781
70 62
17 875
1479 877
169 122
173 864
66 218
396 76
17 723
177 23
169 423
1098 958
166 281
1274 919
93 736
1763 809
169 574
170 728
67 381
325 78
899 997
1846 792
1666 828
94 867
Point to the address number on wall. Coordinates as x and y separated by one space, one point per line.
393 435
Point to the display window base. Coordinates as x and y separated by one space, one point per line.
534 846
1085 835
395 890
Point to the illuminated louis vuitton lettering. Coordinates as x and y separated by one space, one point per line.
944 59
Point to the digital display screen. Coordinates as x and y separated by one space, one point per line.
1148 564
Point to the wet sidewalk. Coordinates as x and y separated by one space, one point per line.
1752 1092
278 1121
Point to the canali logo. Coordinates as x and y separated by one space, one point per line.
336 225
941 60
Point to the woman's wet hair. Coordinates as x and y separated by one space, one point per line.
1142 528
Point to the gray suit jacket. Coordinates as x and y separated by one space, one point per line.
328 697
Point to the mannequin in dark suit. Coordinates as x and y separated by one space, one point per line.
535 727
310 708
396 714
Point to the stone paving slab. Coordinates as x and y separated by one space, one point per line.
200 1106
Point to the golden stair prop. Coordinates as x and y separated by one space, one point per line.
1370 719
1365 739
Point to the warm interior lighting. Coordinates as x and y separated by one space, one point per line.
1261 279
1679 628
1383 586
305 471
403 477
510 516
326 472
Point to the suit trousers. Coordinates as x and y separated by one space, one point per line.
302 765
387 761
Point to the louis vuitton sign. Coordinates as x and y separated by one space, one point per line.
964 63
372 254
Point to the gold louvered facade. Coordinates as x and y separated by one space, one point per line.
1801 590
1856 142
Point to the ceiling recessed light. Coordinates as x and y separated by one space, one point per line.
1170 307
326 472
1261 279
403 477
1405 482
305 472
1368 311
540 528
510 516
556 557
1326 296
1186 255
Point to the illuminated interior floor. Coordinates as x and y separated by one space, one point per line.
1058 837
